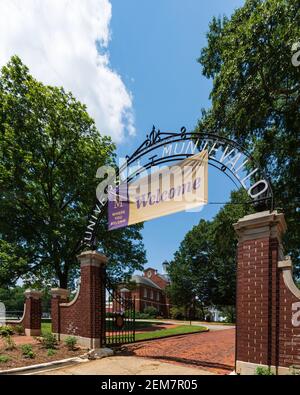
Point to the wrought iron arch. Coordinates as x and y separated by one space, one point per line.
260 193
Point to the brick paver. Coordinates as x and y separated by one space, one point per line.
212 351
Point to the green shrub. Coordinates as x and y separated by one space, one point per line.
71 342
262 371
49 341
4 358
142 316
27 351
229 313
151 311
9 343
50 352
19 329
6 330
177 313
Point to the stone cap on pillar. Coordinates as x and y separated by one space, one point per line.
92 258
60 293
33 293
261 225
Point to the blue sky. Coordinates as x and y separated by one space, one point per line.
101 50
154 46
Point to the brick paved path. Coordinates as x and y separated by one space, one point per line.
212 351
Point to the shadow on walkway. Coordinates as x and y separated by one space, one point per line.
185 361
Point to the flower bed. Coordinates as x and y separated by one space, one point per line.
18 351
16 358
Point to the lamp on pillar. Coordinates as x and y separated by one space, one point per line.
261 202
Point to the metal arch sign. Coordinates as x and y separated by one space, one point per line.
160 148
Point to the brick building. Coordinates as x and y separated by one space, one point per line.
149 290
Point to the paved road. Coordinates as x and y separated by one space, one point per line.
213 351
121 365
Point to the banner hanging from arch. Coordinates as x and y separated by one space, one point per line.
180 187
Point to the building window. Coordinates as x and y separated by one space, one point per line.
145 292
157 296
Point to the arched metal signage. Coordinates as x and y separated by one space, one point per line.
160 148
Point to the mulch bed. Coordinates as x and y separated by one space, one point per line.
16 359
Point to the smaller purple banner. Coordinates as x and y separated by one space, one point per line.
118 208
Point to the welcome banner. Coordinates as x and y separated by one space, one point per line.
180 187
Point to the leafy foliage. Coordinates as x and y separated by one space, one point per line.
9 343
50 151
262 371
4 358
13 298
51 352
256 95
151 311
49 341
6 330
19 329
71 342
27 351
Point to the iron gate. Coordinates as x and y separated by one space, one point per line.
119 317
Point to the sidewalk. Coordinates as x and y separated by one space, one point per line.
124 366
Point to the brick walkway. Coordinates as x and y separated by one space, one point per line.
212 351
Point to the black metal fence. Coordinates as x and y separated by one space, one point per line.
119 319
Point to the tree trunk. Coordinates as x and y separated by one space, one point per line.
63 280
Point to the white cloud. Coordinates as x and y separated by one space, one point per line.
58 41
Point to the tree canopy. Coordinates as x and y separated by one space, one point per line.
50 150
256 95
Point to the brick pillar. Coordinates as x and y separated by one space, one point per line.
92 295
58 295
259 249
33 313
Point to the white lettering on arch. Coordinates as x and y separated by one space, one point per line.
296 314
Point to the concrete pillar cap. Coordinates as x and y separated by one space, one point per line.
61 292
261 224
32 293
92 258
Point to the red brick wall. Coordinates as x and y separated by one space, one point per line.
268 330
82 317
253 301
289 331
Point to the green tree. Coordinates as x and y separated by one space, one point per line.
50 150
203 270
12 264
13 298
256 95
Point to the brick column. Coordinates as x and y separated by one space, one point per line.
92 298
33 313
259 249
58 295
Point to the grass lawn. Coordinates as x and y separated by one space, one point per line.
46 326
179 330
